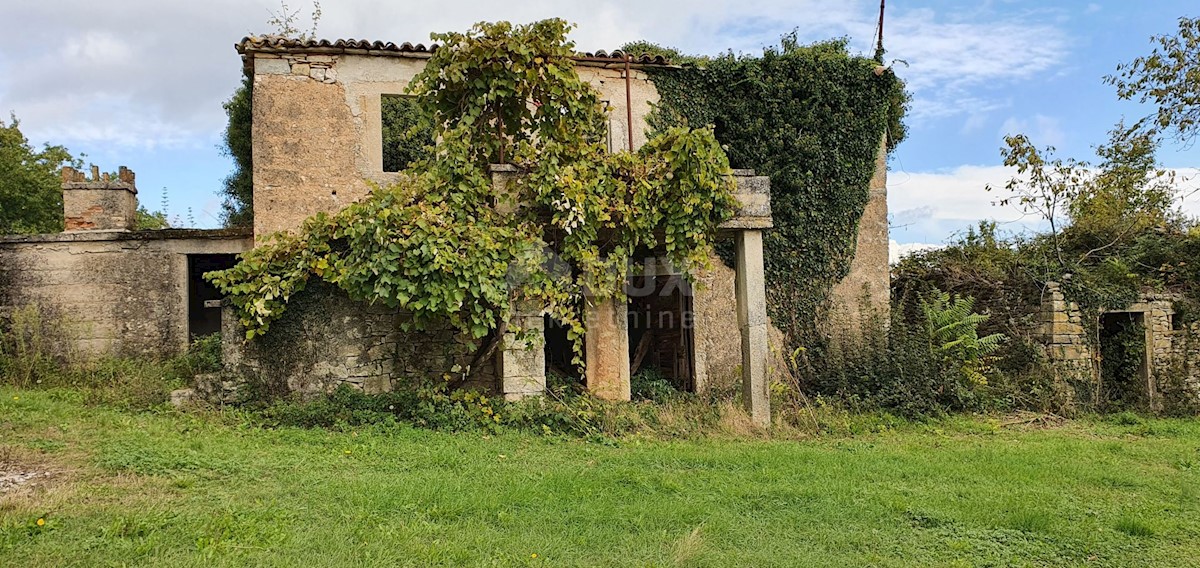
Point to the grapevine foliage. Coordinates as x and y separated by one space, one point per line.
446 244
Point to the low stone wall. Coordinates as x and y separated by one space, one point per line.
718 344
1185 358
1068 348
109 293
325 339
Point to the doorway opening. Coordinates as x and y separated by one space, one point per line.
204 300
661 323
1124 361
560 352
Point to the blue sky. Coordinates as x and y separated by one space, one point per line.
140 82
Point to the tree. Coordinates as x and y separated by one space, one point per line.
150 220
30 189
405 136
1044 185
1128 194
1169 78
1095 208
238 188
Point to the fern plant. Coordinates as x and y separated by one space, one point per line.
953 328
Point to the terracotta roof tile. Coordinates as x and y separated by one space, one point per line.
279 44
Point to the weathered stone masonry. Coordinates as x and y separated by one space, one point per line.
1077 362
102 289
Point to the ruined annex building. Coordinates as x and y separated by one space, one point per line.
317 143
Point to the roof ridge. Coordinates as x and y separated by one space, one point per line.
276 43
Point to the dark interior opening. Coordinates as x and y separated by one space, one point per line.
559 351
204 300
661 322
1124 377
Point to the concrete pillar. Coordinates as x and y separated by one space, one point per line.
752 321
607 349
521 365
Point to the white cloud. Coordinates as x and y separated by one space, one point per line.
897 251
1042 130
931 207
952 64
154 73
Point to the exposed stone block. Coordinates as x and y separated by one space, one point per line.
607 350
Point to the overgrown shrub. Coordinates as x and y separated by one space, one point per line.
650 384
930 366
26 349
428 406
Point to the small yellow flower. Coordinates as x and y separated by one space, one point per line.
534 555
41 522
16 398
347 452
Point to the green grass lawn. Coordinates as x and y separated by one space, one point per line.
170 489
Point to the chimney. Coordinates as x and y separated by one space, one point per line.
100 203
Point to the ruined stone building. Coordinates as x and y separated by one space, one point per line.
1166 350
317 143
104 289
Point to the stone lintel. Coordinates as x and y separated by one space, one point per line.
754 198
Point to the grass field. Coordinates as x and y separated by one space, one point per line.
169 489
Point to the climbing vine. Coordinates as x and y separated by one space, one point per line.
446 244
812 118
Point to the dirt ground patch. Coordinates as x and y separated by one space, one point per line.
22 471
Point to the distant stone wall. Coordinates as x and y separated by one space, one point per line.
325 339
109 293
1067 347
1185 357
1076 361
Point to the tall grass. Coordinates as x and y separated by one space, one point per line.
35 352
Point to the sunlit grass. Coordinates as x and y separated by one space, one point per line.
162 488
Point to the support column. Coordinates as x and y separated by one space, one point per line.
607 349
752 321
521 365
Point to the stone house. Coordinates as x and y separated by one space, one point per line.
104 289
317 137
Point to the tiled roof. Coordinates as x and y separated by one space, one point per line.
279 44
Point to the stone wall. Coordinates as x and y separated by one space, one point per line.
1185 359
325 339
1076 361
317 138
718 345
100 203
865 292
109 294
1068 348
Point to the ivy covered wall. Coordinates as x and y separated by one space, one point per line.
811 117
